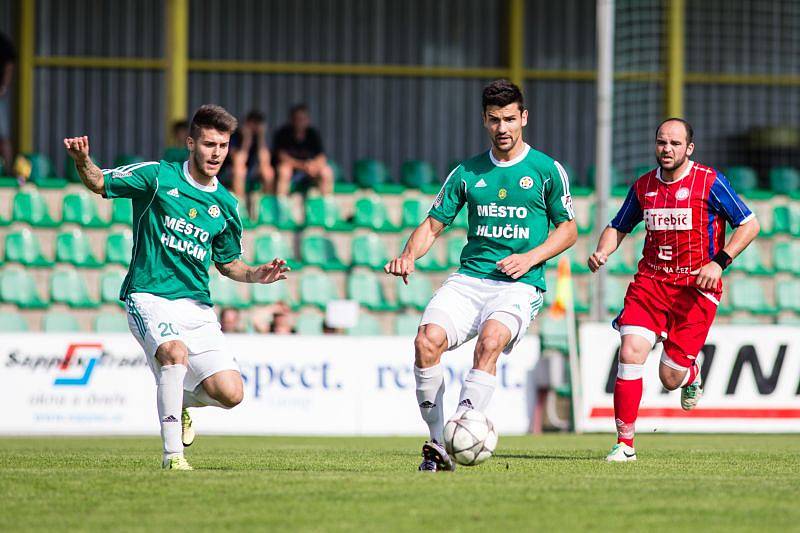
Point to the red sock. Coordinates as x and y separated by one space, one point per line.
627 396
694 370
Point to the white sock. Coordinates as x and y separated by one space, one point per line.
476 391
169 399
430 390
200 398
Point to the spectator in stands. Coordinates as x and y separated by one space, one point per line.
230 320
299 156
250 156
177 151
276 319
7 63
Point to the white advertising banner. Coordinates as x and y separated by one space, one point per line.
93 384
751 377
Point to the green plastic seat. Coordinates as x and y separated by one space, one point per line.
274 245
618 264
316 289
323 212
25 248
371 212
318 251
75 248
341 183
367 326
784 180
373 174
750 262
786 257
58 322
748 295
430 262
786 219
416 174
416 294
270 293
111 323
277 212
12 323
127 159
119 248
406 324
41 167
577 261
176 154
454 247
71 172
787 295
110 284
368 250
586 224
365 288
80 208
68 287
553 333
31 208
615 294
461 221
244 216
414 211
308 323
122 211
18 287
225 292
743 179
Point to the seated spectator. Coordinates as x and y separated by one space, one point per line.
250 158
299 156
230 320
276 319
177 152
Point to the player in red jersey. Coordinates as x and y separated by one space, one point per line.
675 293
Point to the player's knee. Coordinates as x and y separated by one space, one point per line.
671 379
172 353
488 347
428 347
232 398
632 355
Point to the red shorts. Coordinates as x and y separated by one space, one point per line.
678 316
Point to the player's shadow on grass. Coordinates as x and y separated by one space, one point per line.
540 456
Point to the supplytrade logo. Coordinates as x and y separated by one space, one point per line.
94 351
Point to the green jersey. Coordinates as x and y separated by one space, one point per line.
510 207
179 227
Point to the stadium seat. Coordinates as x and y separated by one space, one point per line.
110 284
748 295
784 180
119 247
586 225
367 326
553 333
373 174
31 208
750 262
244 216
270 293
111 323
127 159
615 294
175 154
57 322
225 292
308 323
68 287
786 257
430 261
368 250
71 172
19 288
75 248
577 261
371 212
12 323
454 247
318 251
618 263
323 212
41 167
24 247
416 294
406 324
461 221
416 174
788 320
316 289
787 295
786 219
341 183
122 211
277 212
414 211
365 288
744 181
272 245
80 208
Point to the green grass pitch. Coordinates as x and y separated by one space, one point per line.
549 483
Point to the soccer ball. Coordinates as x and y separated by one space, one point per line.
470 439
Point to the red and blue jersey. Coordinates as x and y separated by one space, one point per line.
685 221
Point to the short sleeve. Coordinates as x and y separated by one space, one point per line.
724 201
630 214
227 245
557 195
450 199
131 181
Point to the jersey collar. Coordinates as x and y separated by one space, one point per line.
686 173
512 162
207 188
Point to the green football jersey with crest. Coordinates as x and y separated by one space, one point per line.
510 207
179 227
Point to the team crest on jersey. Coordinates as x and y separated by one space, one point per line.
192 213
682 194
213 211
526 182
502 193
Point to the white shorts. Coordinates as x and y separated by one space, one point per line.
463 304
154 320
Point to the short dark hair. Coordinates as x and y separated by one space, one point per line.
179 125
296 108
689 129
502 93
255 116
212 116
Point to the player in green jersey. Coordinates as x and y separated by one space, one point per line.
183 220
512 193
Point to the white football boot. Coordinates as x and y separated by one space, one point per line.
691 394
621 453
187 432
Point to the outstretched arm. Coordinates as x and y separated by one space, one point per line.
91 175
517 265
418 245
609 241
237 270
